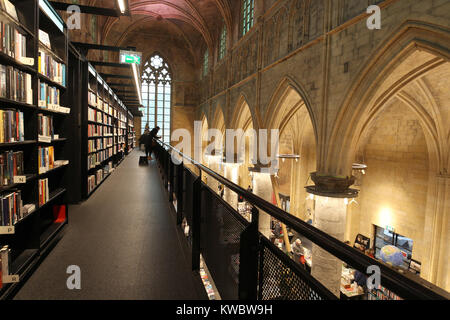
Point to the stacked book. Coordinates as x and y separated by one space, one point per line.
11 208
12 126
43 191
5 265
46 159
52 69
15 84
45 128
11 166
13 43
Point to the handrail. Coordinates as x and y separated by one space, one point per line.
406 286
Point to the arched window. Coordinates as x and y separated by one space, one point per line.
248 8
223 42
156 96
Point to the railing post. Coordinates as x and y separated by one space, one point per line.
171 176
166 169
179 188
248 266
196 222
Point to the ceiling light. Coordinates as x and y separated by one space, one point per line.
137 82
122 6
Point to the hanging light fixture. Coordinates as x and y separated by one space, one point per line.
359 167
283 157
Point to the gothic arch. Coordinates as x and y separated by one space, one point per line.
243 114
359 108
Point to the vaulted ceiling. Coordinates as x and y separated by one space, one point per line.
180 30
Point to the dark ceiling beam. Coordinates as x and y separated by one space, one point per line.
121 85
117 76
94 46
62 6
123 91
110 64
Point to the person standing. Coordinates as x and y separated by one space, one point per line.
149 142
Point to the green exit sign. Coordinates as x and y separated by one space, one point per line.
130 57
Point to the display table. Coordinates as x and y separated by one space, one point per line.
351 292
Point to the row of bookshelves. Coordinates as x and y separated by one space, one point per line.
33 148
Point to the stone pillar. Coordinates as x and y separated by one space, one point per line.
262 187
232 174
331 199
329 217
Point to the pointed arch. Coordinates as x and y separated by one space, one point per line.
288 88
243 115
364 100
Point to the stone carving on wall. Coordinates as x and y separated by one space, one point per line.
220 78
245 59
275 36
204 88
315 20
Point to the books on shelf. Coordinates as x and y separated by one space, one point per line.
52 69
12 122
13 43
15 84
45 128
11 167
11 208
92 99
43 191
46 159
48 96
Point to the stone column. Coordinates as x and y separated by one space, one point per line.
232 174
330 215
262 187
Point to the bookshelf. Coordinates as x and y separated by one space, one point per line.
131 134
104 131
34 110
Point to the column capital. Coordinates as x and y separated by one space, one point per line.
332 186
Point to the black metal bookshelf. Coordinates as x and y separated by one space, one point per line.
33 234
110 116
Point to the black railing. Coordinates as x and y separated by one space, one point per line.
243 263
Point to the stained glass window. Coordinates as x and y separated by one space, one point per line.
156 96
223 43
248 8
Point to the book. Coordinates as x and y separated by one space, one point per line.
45 128
15 84
12 126
11 208
45 39
10 9
46 160
5 256
51 68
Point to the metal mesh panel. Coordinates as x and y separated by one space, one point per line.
280 278
188 182
220 243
